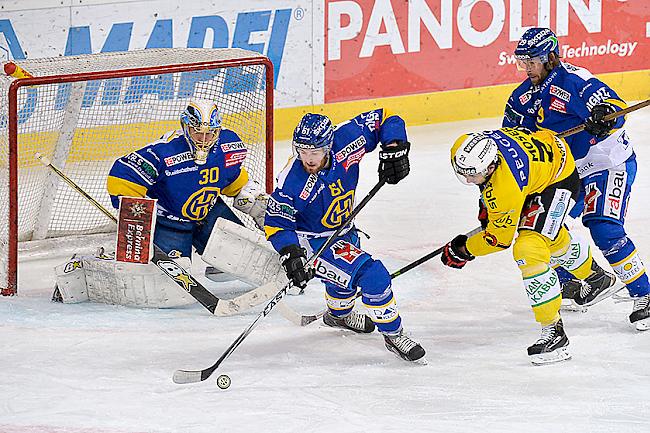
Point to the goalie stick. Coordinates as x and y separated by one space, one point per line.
185 280
306 319
193 376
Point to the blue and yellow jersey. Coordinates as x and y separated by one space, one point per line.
565 100
528 164
315 205
165 170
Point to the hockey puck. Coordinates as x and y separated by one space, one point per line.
223 381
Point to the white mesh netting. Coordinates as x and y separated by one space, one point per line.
84 126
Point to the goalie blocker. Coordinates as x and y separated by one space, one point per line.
126 277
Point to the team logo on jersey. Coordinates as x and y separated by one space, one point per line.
229 147
531 213
525 97
346 251
614 194
339 210
235 158
179 158
350 148
353 159
557 105
560 93
198 205
591 198
309 186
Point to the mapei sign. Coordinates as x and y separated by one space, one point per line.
378 48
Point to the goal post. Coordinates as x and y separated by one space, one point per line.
84 112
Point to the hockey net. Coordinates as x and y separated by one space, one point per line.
83 112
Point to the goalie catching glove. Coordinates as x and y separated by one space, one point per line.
455 254
394 162
252 201
293 259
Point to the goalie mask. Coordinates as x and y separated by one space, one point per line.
201 123
471 157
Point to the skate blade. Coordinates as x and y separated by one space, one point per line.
642 325
615 288
558 355
570 305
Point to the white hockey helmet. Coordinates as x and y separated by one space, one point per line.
201 123
472 154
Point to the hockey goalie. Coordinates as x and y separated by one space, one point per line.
177 183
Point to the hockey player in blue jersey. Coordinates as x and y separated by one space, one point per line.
187 170
558 96
314 195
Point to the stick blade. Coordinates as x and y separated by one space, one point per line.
187 376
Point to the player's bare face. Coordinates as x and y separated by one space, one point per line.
206 138
313 160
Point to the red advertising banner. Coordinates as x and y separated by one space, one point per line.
381 48
136 221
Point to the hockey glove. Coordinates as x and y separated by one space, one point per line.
482 214
455 255
394 162
595 125
294 259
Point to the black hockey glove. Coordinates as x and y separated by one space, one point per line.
482 214
394 162
455 255
293 259
595 125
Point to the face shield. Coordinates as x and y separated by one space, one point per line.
525 63
201 124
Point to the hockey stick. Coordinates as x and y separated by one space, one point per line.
608 117
216 306
306 319
193 376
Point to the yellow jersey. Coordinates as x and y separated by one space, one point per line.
528 164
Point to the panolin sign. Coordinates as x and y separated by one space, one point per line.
380 48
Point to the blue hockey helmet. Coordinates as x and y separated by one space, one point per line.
315 131
201 123
537 43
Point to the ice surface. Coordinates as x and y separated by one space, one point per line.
97 368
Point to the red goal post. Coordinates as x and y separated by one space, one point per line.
83 112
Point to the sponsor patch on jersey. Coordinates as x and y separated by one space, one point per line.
591 198
560 93
597 97
309 186
179 158
234 158
557 105
345 251
230 147
371 120
282 210
170 173
350 148
354 159
142 166
525 97
614 194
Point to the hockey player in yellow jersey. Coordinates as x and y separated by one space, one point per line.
528 184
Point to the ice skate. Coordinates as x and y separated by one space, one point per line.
580 295
640 316
405 347
354 321
551 346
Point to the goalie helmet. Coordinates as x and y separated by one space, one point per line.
472 155
537 43
201 123
315 131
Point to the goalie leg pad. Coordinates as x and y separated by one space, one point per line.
242 252
71 282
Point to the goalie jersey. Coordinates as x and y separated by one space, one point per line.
315 205
564 100
166 170
528 164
